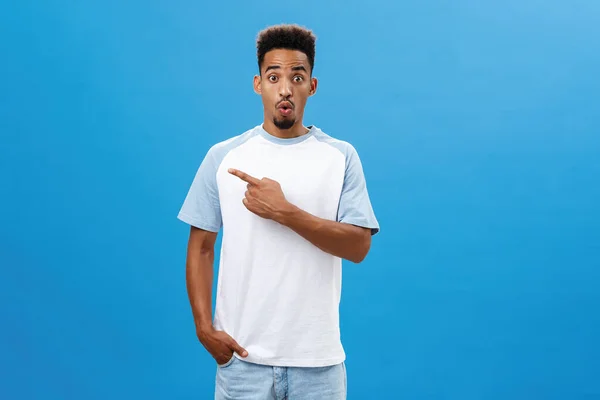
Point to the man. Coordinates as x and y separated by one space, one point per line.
292 202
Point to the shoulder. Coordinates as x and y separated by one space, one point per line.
234 141
219 150
343 146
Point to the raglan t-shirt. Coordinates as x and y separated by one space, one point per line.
278 295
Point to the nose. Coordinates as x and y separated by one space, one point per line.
285 88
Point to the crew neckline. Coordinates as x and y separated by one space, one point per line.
286 141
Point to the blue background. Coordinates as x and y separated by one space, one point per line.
477 123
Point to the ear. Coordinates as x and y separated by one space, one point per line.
257 84
313 86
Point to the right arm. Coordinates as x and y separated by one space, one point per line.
199 280
202 211
199 276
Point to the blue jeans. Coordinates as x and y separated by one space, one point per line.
238 379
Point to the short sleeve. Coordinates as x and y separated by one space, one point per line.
355 205
201 207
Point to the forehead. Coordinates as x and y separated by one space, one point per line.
285 58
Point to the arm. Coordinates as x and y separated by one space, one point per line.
199 279
340 239
201 210
199 276
265 198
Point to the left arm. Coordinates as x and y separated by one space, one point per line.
265 198
337 238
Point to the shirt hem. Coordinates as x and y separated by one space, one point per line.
292 362
197 223
362 223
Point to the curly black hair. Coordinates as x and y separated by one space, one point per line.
286 36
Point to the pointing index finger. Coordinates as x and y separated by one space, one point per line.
243 176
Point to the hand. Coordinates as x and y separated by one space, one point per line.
264 197
220 345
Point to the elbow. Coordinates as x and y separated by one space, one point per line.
361 250
357 259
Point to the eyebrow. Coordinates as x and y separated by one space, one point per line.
270 67
297 68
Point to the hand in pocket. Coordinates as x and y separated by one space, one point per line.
220 345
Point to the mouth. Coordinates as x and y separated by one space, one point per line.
285 107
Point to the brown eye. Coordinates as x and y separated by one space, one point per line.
272 78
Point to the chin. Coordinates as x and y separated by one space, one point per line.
284 123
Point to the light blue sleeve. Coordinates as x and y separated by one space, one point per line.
201 207
355 205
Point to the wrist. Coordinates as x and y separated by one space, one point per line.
204 328
286 213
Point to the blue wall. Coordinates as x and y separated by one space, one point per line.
477 123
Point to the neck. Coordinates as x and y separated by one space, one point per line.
298 129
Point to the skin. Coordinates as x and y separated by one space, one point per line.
199 278
285 78
265 198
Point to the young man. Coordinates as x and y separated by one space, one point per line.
292 202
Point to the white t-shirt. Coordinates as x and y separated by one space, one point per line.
278 295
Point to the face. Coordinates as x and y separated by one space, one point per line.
285 85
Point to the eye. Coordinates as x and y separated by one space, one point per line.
298 78
272 78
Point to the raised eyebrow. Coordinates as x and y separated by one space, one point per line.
270 67
278 67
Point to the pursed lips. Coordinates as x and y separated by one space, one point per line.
285 104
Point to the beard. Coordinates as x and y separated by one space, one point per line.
284 123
